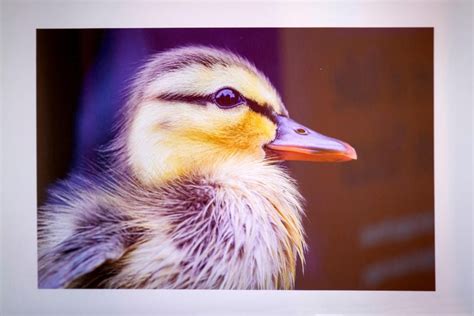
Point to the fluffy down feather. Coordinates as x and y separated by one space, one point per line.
236 228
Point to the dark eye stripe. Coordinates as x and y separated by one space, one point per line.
195 99
262 109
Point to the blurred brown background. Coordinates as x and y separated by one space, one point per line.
369 222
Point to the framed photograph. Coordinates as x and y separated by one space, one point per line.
162 111
192 156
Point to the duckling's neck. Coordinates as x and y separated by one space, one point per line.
239 226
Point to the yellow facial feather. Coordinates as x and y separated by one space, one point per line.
249 131
198 79
169 140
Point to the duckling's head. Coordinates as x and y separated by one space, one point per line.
194 108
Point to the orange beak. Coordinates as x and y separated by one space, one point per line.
297 142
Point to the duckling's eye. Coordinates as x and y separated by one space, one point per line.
227 98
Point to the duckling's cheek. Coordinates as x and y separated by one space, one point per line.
251 132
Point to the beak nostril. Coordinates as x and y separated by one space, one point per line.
301 131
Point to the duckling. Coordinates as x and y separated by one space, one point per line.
190 193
